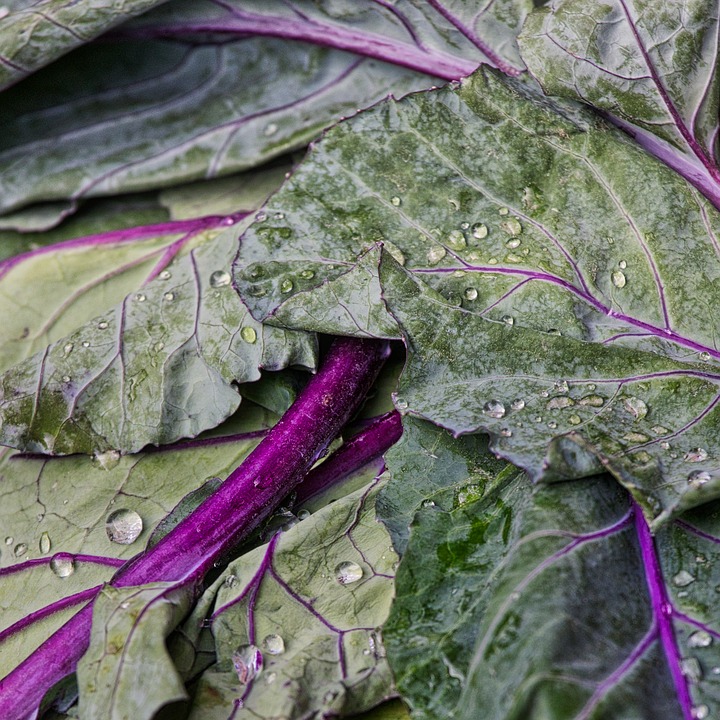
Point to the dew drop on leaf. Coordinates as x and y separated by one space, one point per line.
574 419
220 278
230 581
471 294
618 279
123 526
20 549
636 407
307 274
401 404
247 661
698 478
494 409
9 540
506 432
270 129
456 240
697 454
274 644
691 669
140 297
85 344
479 231
683 579
62 565
512 227
68 348
700 712
348 572
248 334
428 503
165 275
396 201
286 285
66 378
508 320
700 639
512 244
560 403
169 297
517 404
45 543
622 264
102 325
303 514
592 401
106 460
435 254
503 211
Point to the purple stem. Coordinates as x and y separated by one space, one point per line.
370 443
662 611
241 503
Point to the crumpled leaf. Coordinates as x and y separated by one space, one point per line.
54 544
127 671
553 601
651 66
160 366
33 34
529 255
291 639
179 112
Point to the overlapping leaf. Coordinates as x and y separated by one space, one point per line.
296 630
554 601
554 284
651 67
33 34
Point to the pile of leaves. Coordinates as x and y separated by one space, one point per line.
513 205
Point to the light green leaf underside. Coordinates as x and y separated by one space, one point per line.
158 367
532 602
60 505
540 248
178 113
289 588
127 671
33 34
653 65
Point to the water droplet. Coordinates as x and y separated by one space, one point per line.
230 581
428 503
85 344
169 297
512 227
63 565
506 432
220 278
20 549
503 211
401 404
9 540
66 378
697 454
494 409
512 244
700 712
159 346
307 274
622 264
102 325
270 678
492 261
508 319
659 430
471 294
699 478
45 543
479 231
270 129
691 669
140 297
700 639
592 401
636 407
261 216
574 419
248 334
348 572
618 279
106 460
513 258
635 437
165 275
68 348
559 403
517 404
552 425
705 357
436 254
274 644
248 663
395 200
456 240
123 526
683 579
286 285
303 514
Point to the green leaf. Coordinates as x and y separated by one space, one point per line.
142 372
127 670
530 260
652 67
291 639
33 35
54 511
93 124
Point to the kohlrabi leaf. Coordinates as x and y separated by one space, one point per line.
434 460
127 671
160 366
94 124
447 38
66 524
33 34
651 67
296 621
554 284
539 601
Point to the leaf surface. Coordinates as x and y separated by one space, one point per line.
529 256
652 68
553 601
